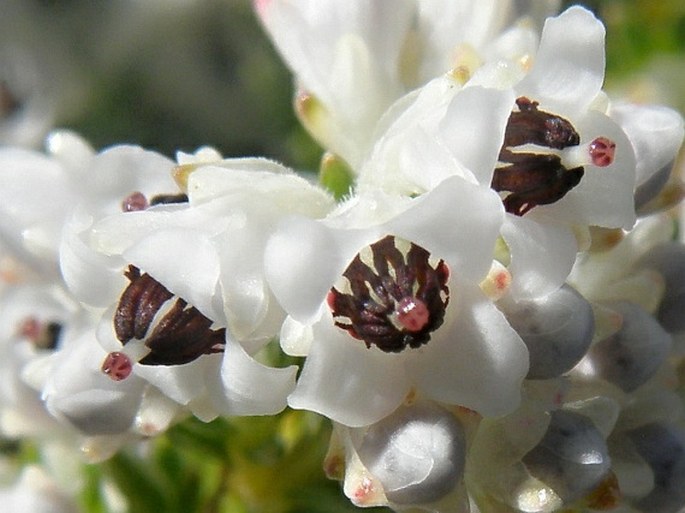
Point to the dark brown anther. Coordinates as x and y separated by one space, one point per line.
179 335
167 199
532 126
535 178
396 302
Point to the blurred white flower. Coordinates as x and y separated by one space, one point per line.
36 492
352 60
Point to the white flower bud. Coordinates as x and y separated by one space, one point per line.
662 446
629 357
557 329
572 458
669 260
417 454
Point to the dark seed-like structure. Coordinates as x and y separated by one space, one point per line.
180 335
396 300
534 179
167 199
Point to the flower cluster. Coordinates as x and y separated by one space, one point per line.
489 309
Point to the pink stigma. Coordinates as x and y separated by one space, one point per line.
117 366
134 202
30 328
412 314
602 151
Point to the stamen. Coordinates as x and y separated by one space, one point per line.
134 202
396 298
176 333
167 199
531 168
137 201
117 366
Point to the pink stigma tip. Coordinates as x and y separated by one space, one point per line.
117 366
602 151
134 202
412 314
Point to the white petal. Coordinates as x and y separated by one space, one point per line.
245 294
347 382
473 128
181 383
604 196
247 181
185 262
542 255
295 338
81 393
457 221
655 133
341 57
120 170
569 67
303 260
82 266
445 24
34 194
250 388
156 413
409 157
475 359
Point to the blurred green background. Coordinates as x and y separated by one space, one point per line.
174 74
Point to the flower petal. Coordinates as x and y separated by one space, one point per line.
347 382
655 133
79 392
604 196
303 260
542 255
443 222
185 262
475 359
569 67
473 128
248 387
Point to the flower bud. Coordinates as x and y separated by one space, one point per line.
572 458
662 446
557 329
629 357
669 260
417 453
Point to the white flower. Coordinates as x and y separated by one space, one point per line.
182 293
33 321
387 290
354 59
545 140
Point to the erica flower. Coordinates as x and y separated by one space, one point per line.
183 299
545 140
384 300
